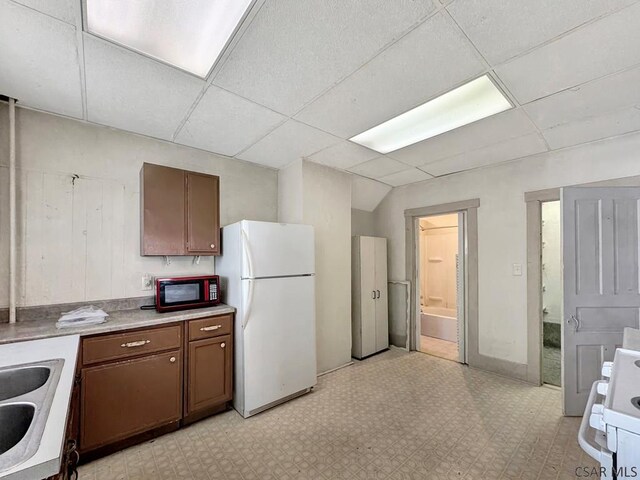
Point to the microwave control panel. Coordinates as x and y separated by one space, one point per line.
213 291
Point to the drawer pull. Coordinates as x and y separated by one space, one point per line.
139 343
210 327
172 359
222 345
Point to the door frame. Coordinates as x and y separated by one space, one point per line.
534 200
469 208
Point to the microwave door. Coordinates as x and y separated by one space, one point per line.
177 293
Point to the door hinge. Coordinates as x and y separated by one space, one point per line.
77 379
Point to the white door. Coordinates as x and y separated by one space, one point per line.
276 249
600 282
279 348
382 301
460 290
367 296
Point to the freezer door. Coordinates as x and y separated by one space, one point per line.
276 249
279 339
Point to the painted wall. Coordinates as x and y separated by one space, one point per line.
362 223
326 204
502 227
551 262
80 239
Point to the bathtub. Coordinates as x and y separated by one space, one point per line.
439 322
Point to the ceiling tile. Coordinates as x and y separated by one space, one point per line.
432 59
295 50
290 141
502 29
61 9
594 128
511 149
491 130
130 91
343 155
227 124
379 167
603 47
595 98
39 61
366 194
405 177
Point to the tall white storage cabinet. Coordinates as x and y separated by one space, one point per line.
370 305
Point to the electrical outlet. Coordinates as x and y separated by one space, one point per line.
517 269
147 281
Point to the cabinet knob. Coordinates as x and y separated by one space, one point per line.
172 359
213 245
222 345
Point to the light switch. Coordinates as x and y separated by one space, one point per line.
517 270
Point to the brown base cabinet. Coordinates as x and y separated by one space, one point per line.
122 399
134 385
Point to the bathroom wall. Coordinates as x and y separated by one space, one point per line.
551 263
438 249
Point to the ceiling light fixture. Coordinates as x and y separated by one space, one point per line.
188 35
466 104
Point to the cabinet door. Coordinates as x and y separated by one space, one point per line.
367 296
203 214
382 301
209 373
162 206
122 399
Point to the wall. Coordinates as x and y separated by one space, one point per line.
362 223
438 250
502 227
551 262
326 204
79 238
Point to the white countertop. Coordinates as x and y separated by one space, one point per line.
46 461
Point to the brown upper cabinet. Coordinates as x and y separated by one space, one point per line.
180 212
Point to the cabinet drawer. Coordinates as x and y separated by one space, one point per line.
210 327
130 344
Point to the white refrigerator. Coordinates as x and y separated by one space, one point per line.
267 272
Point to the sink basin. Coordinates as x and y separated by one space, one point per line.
26 395
18 381
15 418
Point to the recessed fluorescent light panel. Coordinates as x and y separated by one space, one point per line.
187 34
472 101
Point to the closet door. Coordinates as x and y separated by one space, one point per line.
367 296
382 302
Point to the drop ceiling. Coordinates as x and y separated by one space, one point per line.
301 78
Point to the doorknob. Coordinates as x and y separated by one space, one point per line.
576 322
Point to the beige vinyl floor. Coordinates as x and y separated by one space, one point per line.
439 348
396 415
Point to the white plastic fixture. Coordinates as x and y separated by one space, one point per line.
466 104
189 34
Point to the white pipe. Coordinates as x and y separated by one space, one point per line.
12 210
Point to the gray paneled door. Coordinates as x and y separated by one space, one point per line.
600 246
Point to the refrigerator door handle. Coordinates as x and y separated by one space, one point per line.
247 251
247 310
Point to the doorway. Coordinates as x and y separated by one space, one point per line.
551 293
440 286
